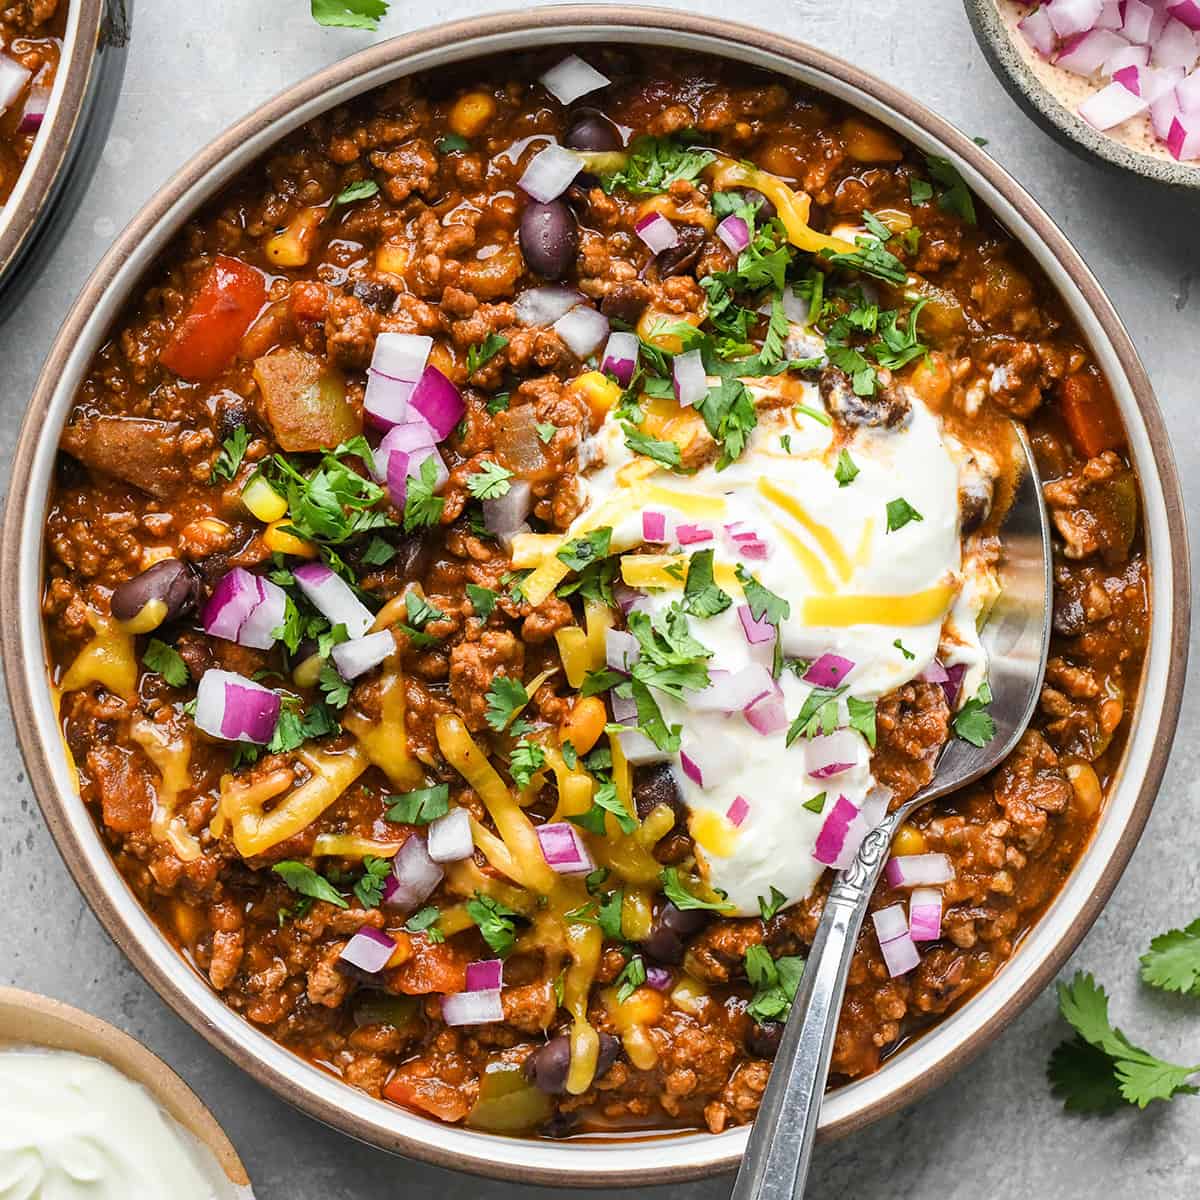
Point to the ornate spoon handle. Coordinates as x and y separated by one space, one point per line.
777 1157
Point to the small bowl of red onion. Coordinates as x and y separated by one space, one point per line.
1118 80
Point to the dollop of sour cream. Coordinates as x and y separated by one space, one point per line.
889 600
75 1128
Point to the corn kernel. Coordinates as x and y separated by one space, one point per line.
1086 783
868 143
599 392
471 114
392 258
908 840
279 541
263 501
292 247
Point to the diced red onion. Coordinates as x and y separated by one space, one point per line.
473 1008
831 754
925 915
624 709
734 232
875 805
414 875
13 78
448 839
657 232
828 671
688 378
582 329
246 609
357 657
754 549
1086 53
550 172
572 78
413 435
1186 11
1156 82
34 112
564 849
900 955
639 750
1073 16
385 403
333 599
934 673
913 870
544 305
1138 20
625 596
709 763
620 357
1175 47
890 923
1163 113
659 978
621 650
438 401
733 691
401 355
832 838
1110 15
403 465
689 535
1127 56
952 684
1183 138
654 526
738 811
236 709
1038 31
1188 93
768 715
485 975
368 951
1110 106
757 631
504 515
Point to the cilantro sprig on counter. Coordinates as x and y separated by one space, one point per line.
349 14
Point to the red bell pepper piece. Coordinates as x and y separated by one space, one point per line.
207 338
1090 414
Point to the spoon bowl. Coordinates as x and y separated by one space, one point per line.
1017 639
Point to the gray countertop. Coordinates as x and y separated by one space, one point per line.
994 1131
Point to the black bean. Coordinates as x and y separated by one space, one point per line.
548 1066
670 927
626 301
549 238
681 257
763 1038
171 586
653 786
591 130
379 296
233 410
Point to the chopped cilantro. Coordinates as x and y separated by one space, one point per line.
378 552
818 714
815 414
920 191
816 804
233 450
666 453
545 431
570 754
900 513
764 603
653 164
955 196
973 723
307 882
785 440
494 919
769 907
587 548
862 718
452 143
334 688
524 762
421 507
349 14
774 981
483 600
419 806
498 403
862 375
846 470
484 352
363 189
871 258
369 888
424 920
490 482
605 801
631 978
679 896
334 502
729 415
908 654
167 662
701 596
505 698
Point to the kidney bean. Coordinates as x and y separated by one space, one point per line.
548 1066
591 130
549 238
170 586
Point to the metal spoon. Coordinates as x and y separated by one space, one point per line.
1016 637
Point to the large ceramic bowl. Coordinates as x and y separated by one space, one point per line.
643 1159
68 144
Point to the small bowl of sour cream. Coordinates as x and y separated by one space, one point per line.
87 1113
1116 79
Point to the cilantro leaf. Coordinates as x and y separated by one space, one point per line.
167 662
484 352
630 979
333 502
334 688
862 375
870 258
490 482
606 800
595 682
1173 960
233 450
608 915
778 327
769 907
524 762
1083 1076
955 196
729 415
862 718
666 453
973 723
900 513
701 596
816 804
363 189
679 896
419 806
908 654
653 164
818 714
420 611
587 548
545 431
369 888
650 719
764 603
898 346
424 920
505 698
483 600
494 919
452 143
307 882
774 981
421 507
349 14
920 191
378 552
846 470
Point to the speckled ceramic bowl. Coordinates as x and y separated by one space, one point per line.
27 1019
1023 76
650 1158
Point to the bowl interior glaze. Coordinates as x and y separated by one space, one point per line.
653 1158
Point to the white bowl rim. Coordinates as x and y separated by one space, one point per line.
655 1158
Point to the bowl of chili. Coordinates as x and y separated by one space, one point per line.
60 74
1100 429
